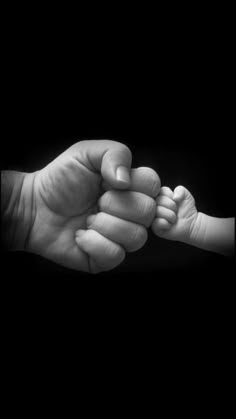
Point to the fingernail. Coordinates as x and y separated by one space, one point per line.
122 174
79 233
90 219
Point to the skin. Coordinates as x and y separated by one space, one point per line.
176 214
86 209
177 219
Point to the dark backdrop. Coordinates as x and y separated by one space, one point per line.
171 105
161 83
183 144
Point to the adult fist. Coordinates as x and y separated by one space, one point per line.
90 207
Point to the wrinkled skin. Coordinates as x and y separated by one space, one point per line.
68 190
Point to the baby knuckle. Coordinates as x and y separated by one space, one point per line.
169 203
161 223
159 211
162 201
173 206
159 199
172 216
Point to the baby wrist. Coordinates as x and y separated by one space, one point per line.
198 230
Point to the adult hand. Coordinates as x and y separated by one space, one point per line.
90 207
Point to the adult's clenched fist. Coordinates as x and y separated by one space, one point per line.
89 207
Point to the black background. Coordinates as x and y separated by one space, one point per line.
167 95
162 84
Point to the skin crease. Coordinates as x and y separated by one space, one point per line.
68 190
177 219
167 224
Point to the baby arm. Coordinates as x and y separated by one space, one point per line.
177 219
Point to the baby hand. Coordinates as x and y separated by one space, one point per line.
176 214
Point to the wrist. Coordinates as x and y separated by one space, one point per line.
198 230
214 234
17 210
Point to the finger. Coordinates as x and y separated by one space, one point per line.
160 226
144 180
103 253
167 202
165 190
128 205
129 235
166 213
110 158
181 193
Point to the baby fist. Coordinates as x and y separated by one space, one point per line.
176 214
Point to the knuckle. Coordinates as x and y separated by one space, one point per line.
125 149
116 253
162 212
149 209
172 205
105 200
156 183
101 218
158 211
155 226
172 217
166 202
162 201
158 200
165 190
139 235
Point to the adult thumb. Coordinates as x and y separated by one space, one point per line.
116 165
112 159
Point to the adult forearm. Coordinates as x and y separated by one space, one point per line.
16 208
214 234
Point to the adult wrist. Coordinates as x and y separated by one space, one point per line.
17 208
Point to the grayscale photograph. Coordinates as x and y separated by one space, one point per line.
118 209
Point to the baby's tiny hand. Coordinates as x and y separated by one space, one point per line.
176 214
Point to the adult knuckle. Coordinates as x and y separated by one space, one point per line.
139 235
149 208
155 183
105 200
125 149
101 218
116 253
